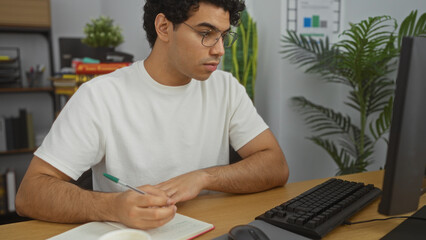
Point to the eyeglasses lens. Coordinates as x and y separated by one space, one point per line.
211 39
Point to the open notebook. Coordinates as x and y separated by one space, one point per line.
181 227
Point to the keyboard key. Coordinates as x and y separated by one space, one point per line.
281 213
291 219
300 221
269 214
311 224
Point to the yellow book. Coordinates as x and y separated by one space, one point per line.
4 58
69 76
65 90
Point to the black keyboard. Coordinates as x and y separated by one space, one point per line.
322 208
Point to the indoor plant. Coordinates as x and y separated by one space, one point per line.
103 36
361 60
241 58
101 32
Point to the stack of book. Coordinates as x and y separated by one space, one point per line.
67 84
17 132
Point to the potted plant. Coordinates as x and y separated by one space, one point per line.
241 58
362 60
103 36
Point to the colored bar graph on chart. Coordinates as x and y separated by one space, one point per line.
314 22
307 22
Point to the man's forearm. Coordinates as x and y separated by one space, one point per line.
48 198
263 167
260 171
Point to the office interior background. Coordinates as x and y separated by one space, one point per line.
277 79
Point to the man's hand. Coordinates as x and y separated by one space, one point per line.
46 194
186 186
144 211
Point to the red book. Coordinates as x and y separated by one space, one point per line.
99 68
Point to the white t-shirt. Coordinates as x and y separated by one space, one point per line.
130 126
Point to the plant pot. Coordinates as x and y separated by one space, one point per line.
100 53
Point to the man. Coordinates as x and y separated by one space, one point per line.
164 124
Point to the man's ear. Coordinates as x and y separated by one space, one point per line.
163 27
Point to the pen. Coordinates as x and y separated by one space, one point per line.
116 180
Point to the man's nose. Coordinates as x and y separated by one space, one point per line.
218 49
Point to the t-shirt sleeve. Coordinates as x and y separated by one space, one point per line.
75 142
245 122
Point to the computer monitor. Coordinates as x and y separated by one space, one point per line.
406 155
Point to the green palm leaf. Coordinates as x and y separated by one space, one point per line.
365 57
383 122
323 120
319 56
339 157
343 160
411 27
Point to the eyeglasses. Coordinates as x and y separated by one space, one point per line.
211 37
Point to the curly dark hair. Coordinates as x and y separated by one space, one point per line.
177 11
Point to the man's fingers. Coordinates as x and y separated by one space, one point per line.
171 192
168 187
148 200
153 190
158 213
153 223
146 218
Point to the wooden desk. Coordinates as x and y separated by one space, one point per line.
227 210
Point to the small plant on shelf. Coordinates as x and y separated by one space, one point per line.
101 32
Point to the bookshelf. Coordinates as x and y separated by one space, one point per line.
25 17
18 158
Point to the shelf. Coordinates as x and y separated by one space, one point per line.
18 151
23 29
23 90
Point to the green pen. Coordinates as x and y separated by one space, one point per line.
116 180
